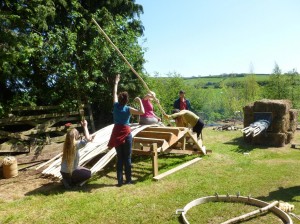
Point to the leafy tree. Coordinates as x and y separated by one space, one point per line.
166 89
276 88
251 90
293 85
52 54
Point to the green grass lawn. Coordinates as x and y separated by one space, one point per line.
265 173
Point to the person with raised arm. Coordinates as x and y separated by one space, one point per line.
71 172
121 137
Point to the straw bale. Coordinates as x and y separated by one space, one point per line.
248 115
293 126
293 120
247 121
270 139
278 107
289 137
248 109
281 124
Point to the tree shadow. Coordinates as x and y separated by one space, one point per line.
143 164
243 146
58 188
283 194
141 171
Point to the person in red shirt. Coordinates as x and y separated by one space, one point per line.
182 103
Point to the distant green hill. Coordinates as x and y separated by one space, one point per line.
216 81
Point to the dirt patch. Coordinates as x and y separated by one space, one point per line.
29 179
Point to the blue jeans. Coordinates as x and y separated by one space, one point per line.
124 159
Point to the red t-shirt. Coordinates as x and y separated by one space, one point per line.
183 105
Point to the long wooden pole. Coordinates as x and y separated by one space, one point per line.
251 214
123 57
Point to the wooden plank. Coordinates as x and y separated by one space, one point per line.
161 143
42 127
7 147
194 138
173 130
184 152
183 143
160 176
13 135
295 146
168 136
142 152
22 108
35 117
32 108
36 122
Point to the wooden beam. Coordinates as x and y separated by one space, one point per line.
160 176
295 146
168 136
154 159
35 117
142 152
14 135
161 143
196 142
183 142
249 215
184 152
173 130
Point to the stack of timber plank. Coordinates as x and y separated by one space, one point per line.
91 150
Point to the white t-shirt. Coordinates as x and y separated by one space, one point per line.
64 166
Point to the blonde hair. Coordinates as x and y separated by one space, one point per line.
151 94
69 148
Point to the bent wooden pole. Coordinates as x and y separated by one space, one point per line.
252 214
126 61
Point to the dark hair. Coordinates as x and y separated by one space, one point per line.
175 111
181 92
123 98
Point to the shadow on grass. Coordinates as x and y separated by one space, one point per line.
141 171
56 188
283 194
143 164
243 146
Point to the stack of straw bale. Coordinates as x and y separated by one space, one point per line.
283 124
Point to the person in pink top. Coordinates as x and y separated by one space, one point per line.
149 116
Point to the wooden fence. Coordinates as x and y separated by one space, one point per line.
27 126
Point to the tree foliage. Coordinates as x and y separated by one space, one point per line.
51 53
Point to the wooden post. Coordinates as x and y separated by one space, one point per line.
153 149
91 118
183 142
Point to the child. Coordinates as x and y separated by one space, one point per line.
73 174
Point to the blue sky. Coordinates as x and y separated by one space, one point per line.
212 37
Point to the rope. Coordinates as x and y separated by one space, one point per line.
129 65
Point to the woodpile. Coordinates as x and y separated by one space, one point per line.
90 151
226 128
283 122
